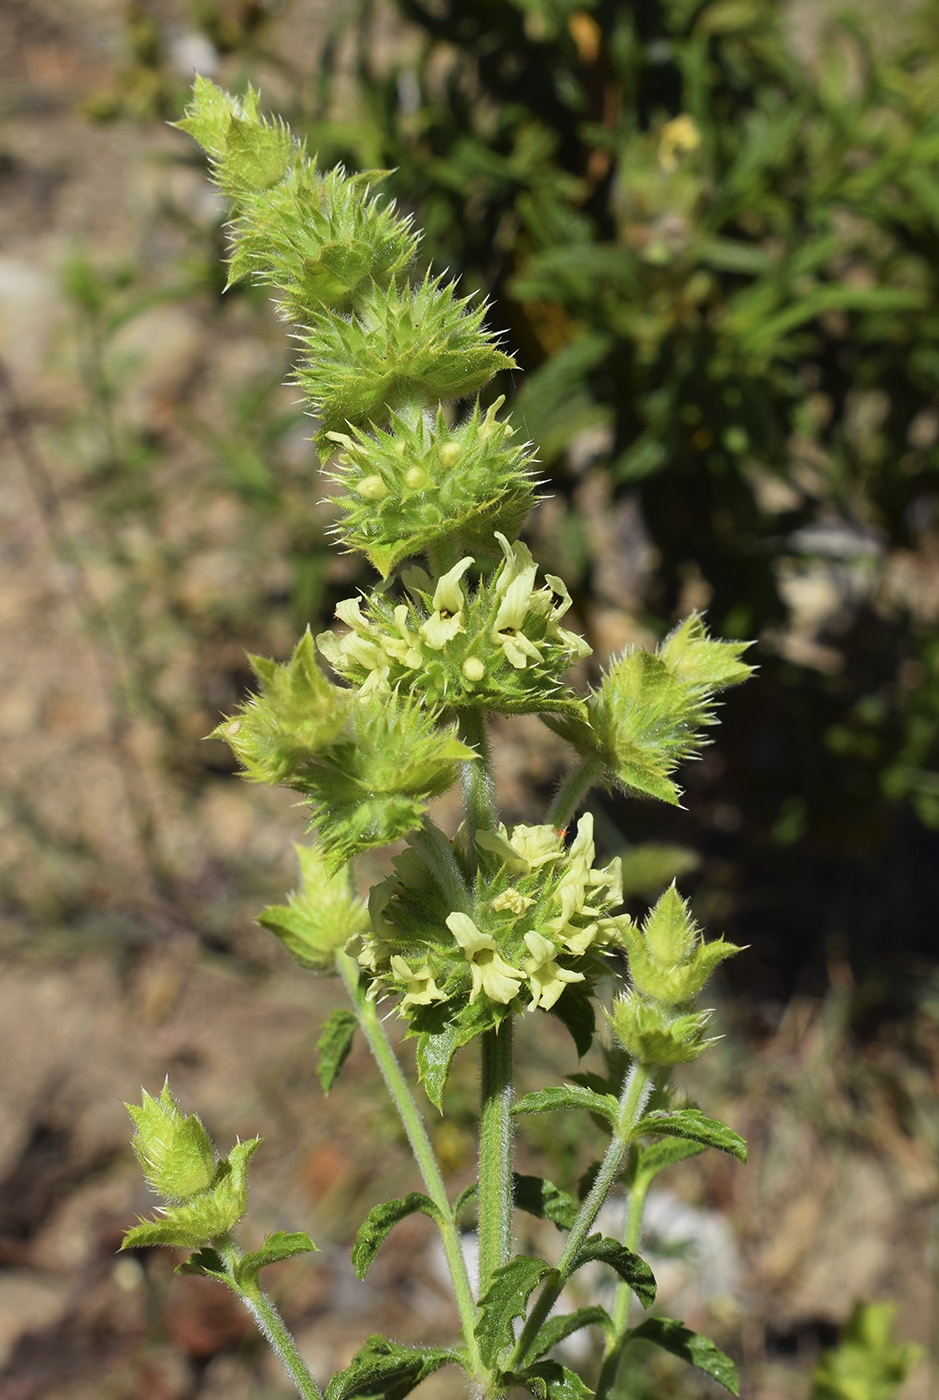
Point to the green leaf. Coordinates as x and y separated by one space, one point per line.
280 1245
207 1262
568 1096
379 1223
334 1045
558 1327
692 1123
575 1012
545 1200
660 1155
549 1380
463 1199
675 1337
383 1370
629 1266
506 1299
435 1050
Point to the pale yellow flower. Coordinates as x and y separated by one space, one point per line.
546 979
491 973
446 621
421 987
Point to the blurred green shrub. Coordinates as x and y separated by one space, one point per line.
714 242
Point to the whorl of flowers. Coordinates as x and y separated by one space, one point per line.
539 923
499 646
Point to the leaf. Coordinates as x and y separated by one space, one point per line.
660 1155
575 1012
435 1050
379 1223
383 1370
560 1326
545 1200
549 1380
207 1262
629 1266
504 1300
674 1336
568 1096
468 1194
280 1245
334 1045
692 1123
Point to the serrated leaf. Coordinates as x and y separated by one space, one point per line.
207 1262
543 1199
550 1381
560 1326
379 1223
674 1336
693 1124
383 1370
575 1012
660 1155
505 1300
568 1096
334 1045
280 1245
631 1269
435 1050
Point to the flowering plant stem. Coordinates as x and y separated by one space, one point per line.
374 1031
473 933
635 1094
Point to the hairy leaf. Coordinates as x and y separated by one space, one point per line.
549 1380
505 1300
698 1351
379 1223
383 1370
692 1123
334 1045
545 1200
562 1325
568 1096
280 1245
207 1262
629 1266
654 1159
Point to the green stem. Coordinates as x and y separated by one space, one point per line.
437 852
633 1099
478 797
278 1335
376 1035
495 1153
574 788
624 1297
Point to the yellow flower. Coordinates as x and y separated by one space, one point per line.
447 618
546 979
421 987
492 975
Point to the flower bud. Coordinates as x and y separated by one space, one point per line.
173 1148
653 1035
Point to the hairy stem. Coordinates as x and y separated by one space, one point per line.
377 1037
633 1099
477 778
282 1343
495 1153
574 788
624 1297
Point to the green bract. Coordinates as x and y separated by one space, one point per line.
321 916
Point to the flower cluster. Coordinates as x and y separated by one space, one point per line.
498 647
425 478
538 925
